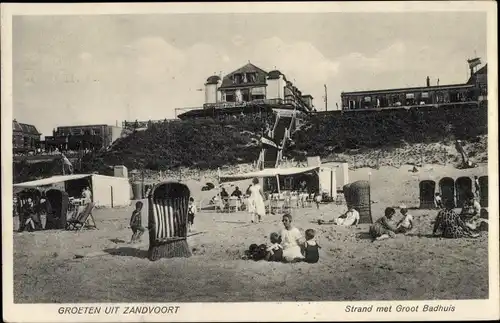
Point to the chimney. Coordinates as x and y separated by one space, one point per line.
428 81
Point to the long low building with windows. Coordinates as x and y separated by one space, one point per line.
80 137
475 90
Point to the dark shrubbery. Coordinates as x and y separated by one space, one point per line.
388 128
24 171
192 143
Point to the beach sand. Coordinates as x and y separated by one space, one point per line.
351 267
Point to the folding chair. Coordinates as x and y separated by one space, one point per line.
82 219
280 205
221 205
233 204
294 201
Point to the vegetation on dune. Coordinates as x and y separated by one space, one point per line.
192 143
24 171
362 138
388 128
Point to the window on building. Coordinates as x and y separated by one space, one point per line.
237 79
288 183
230 98
251 77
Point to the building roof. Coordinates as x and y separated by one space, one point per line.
307 96
25 128
248 68
51 180
85 126
409 89
212 112
274 74
214 79
61 179
482 71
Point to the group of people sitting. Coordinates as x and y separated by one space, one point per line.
32 209
224 197
447 224
287 246
467 223
385 227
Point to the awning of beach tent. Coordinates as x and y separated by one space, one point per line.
50 180
269 172
107 191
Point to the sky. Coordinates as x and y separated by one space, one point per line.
95 69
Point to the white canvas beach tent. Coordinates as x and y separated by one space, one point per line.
326 176
107 191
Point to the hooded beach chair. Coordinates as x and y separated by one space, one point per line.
82 219
168 221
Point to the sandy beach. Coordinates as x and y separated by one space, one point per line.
416 266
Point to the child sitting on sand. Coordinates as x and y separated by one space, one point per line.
406 224
311 248
275 251
136 223
438 202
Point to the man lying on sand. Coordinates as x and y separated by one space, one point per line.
351 217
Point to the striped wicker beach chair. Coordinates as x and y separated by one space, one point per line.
168 221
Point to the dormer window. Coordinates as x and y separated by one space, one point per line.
251 77
237 78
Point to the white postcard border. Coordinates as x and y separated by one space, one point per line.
296 311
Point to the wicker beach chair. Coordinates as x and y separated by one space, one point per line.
168 221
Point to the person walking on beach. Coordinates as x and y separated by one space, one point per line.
136 223
256 205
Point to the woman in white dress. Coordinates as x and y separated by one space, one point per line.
291 240
256 204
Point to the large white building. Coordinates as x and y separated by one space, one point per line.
251 83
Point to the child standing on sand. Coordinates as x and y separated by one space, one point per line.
136 223
191 213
